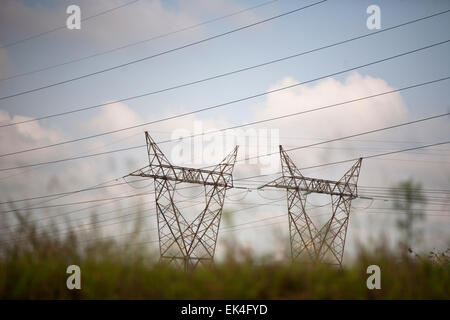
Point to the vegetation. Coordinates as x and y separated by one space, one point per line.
410 200
33 265
36 269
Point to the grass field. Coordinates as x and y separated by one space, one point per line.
36 269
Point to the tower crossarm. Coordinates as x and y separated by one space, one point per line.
184 174
313 185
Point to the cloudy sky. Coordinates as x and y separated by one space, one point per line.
37 51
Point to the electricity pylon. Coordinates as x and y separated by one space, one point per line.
307 241
180 241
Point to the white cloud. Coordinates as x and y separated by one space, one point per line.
119 115
353 118
340 121
112 117
22 137
362 115
25 136
332 122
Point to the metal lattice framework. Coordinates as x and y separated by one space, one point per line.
182 242
307 241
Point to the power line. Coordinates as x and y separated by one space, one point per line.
72 158
233 212
62 195
412 213
222 74
365 157
369 188
398 188
98 222
113 200
78 191
237 100
257 205
322 142
98 187
291 149
161 53
133 206
116 141
400 192
420 161
356 140
427 200
65 214
370 156
64 26
141 41
357 135
56 197
338 162
119 217
253 206
372 148
68 230
232 228
372 190
420 147
68 192
433 201
252 123
76 203
103 213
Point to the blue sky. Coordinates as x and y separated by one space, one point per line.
320 25
300 31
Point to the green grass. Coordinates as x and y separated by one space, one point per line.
36 269
37 274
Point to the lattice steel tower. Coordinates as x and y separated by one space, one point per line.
180 241
307 241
